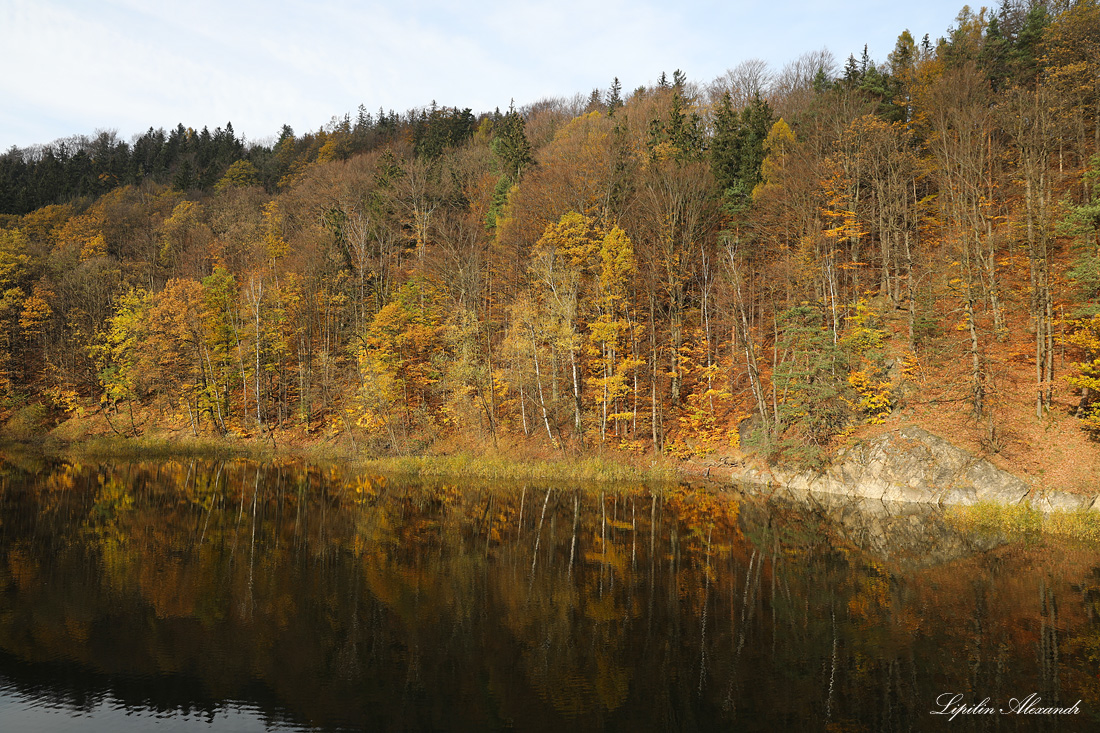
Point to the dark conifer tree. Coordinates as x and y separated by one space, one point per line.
737 148
511 146
614 97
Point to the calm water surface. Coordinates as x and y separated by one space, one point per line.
199 595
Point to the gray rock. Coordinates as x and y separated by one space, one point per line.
911 465
1056 501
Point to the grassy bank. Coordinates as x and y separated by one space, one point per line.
101 448
1023 519
513 465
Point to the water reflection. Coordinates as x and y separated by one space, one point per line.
39 713
238 595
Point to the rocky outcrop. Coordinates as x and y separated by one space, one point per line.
913 465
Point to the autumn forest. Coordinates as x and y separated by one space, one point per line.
769 262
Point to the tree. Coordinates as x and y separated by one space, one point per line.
240 174
904 55
1082 222
679 135
614 97
513 151
511 146
224 357
561 263
15 271
177 353
960 128
185 240
120 356
610 330
737 148
673 221
1070 57
438 128
745 82
396 365
583 169
812 386
1031 129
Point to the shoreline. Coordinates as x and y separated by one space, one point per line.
908 465
609 467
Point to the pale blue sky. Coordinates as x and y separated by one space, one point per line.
74 67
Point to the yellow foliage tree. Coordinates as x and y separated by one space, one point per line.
1086 336
396 364
779 142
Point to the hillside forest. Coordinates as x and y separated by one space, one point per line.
767 262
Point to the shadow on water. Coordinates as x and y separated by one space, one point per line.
245 595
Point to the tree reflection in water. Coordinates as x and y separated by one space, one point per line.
332 599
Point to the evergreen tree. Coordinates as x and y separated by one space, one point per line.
184 178
510 144
994 56
614 97
681 132
812 380
513 151
737 148
1024 57
852 74
439 128
725 153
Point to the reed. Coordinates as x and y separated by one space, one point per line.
1023 519
147 447
511 466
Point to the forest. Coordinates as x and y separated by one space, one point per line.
769 262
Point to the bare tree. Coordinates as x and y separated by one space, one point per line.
750 78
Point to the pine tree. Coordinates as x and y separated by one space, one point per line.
725 149
614 98
852 74
513 150
595 101
994 56
737 148
510 144
1023 58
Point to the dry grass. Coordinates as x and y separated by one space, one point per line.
1023 520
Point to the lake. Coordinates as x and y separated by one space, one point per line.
205 595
